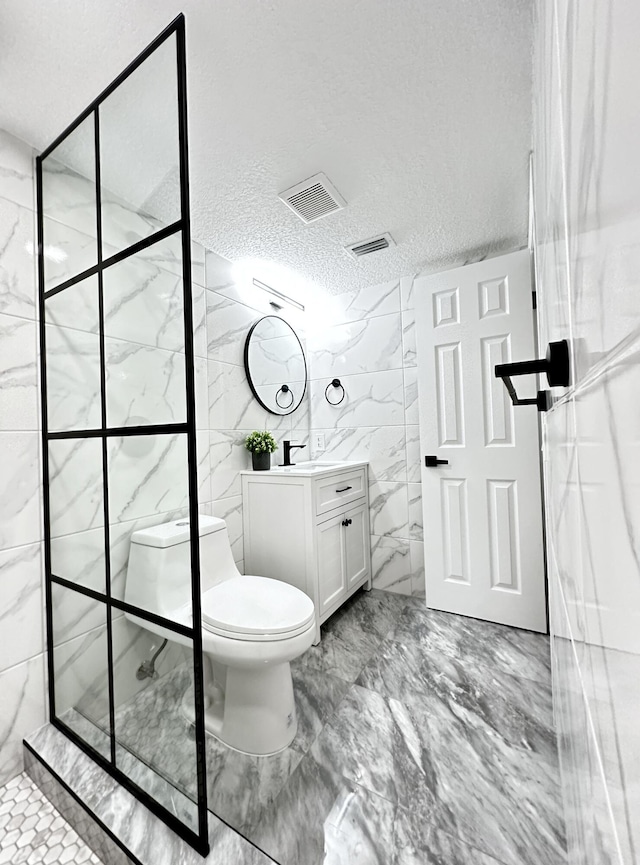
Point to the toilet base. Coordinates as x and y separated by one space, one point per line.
256 714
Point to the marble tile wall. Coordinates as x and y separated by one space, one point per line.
366 338
587 225
233 411
22 660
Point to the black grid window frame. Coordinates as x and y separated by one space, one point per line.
199 840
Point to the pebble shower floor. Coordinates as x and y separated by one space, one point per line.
33 832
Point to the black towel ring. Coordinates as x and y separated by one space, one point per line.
284 389
337 384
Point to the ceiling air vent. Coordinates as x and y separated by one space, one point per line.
313 198
374 244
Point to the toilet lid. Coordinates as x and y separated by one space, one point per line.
247 607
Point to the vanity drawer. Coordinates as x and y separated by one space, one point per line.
335 491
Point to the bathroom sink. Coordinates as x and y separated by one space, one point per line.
313 467
310 466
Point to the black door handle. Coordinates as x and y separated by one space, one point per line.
347 522
344 489
432 462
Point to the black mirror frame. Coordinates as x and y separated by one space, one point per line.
248 372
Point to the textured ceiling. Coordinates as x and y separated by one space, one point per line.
419 111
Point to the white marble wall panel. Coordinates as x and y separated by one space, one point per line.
219 274
123 225
364 303
75 307
16 170
204 465
416 557
198 275
383 447
21 605
388 509
23 711
18 374
202 393
228 324
21 608
20 513
74 614
147 475
406 292
144 301
17 264
364 346
145 385
411 395
391 564
371 399
233 406
80 667
199 301
69 195
67 252
230 510
75 485
228 457
73 379
367 339
414 496
409 350
414 454
79 557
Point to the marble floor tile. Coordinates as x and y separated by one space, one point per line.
317 696
344 824
423 738
240 786
517 710
447 767
520 653
340 653
374 612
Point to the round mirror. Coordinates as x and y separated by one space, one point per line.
275 365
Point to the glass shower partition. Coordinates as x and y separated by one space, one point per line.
119 440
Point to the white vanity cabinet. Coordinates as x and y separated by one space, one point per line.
309 526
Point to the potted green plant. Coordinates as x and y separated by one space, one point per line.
261 444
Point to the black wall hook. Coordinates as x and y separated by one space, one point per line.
337 384
556 366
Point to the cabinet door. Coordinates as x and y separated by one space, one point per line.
331 563
356 543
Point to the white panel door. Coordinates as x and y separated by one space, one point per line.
482 510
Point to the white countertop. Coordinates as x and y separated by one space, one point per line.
311 468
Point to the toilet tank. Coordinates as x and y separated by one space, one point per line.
159 569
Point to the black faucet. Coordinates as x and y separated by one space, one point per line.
288 447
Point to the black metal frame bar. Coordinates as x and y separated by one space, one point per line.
117 257
199 840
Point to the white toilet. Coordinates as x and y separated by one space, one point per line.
252 627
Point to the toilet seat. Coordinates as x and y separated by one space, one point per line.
257 609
